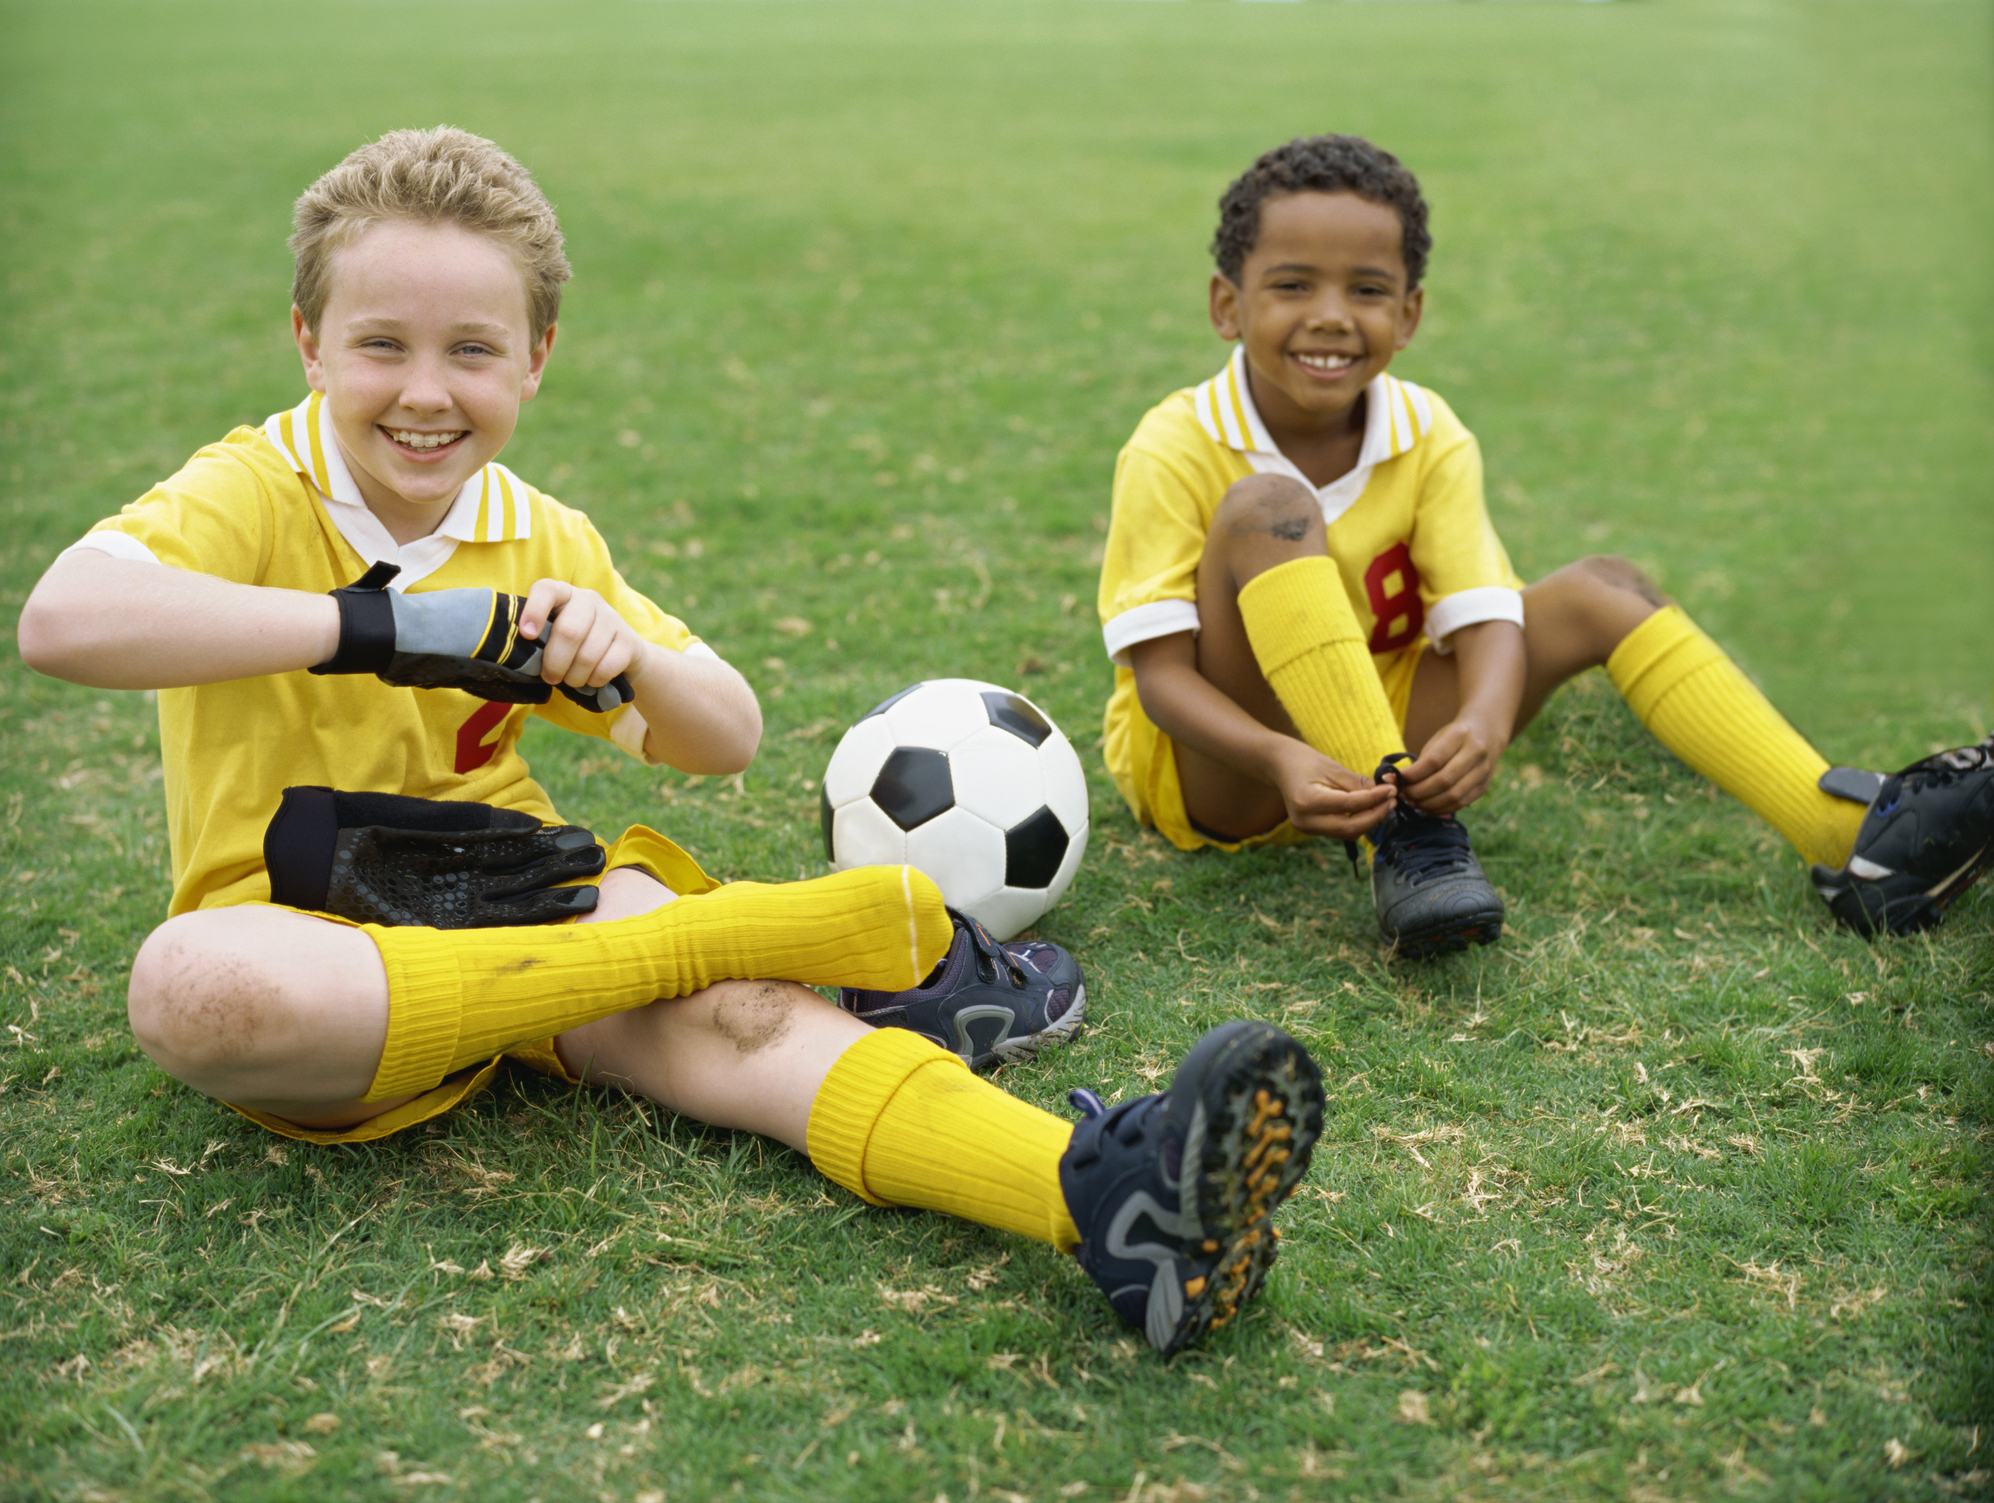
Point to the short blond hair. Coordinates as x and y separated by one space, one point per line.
439 176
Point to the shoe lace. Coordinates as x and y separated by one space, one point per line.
1086 1103
1417 843
1948 766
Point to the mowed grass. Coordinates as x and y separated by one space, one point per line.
1679 1192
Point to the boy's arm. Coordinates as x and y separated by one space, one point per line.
1455 765
700 715
1323 796
116 623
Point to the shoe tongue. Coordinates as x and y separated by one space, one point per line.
946 975
1429 842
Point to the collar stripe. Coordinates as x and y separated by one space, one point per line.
1399 416
303 435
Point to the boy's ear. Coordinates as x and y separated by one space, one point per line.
1415 305
536 364
308 350
1224 306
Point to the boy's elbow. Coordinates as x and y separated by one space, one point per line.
47 639
747 738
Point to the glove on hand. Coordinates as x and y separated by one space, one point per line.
384 858
448 639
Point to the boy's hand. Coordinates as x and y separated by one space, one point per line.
590 645
469 639
1453 768
1326 798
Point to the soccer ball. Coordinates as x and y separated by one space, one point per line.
969 782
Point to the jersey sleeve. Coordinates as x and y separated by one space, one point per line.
213 517
587 563
1464 571
1149 565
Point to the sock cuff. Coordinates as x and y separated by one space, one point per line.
848 1105
1294 608
1656 656
425 1010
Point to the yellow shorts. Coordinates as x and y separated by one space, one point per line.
1149 782
639 847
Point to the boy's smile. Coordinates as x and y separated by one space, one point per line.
424 353
1321 307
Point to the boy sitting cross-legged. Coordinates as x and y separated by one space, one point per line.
349 611
1301 587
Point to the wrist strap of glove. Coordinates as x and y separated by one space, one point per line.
366 624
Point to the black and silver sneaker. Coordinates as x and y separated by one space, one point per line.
1927 837
990 1003
1174 1195
1431 893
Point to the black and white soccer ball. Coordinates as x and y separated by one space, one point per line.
971 783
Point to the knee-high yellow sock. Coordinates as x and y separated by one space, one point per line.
1698 703
460 995
1306 640
903 1122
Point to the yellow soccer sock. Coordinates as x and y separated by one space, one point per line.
456 996
903 1122
1306 640
1698 703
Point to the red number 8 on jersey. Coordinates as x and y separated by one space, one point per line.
1392 585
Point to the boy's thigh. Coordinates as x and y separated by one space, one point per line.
1222 804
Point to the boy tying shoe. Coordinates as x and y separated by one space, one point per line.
1301 579
348 613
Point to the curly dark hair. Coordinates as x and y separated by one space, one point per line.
1321 164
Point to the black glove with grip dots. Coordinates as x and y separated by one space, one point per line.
449 639
386 858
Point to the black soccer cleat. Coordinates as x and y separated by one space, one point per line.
1174 1195
1431 893
989 1003
1927 837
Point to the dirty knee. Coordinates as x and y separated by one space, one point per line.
1276 509
193 1006
753 1015
1606 571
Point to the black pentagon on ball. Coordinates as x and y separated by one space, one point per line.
824 818
1016 714
890 701
1033 850
913 786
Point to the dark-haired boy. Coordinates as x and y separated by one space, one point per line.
1301 579
350 611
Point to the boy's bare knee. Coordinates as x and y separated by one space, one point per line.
753 1015
1276 508
194 1002
1610 573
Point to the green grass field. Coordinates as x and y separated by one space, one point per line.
1678 1193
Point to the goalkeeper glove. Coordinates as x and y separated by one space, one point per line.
386 858
449 639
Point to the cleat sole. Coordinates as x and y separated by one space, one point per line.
1263 1115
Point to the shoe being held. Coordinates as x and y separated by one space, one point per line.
1174 1194
990 1003
1927 837
1431 893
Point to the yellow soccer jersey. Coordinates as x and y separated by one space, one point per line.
277 507
1407 527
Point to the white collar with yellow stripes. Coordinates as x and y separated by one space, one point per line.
1397 414
492 506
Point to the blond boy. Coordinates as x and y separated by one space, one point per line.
348 613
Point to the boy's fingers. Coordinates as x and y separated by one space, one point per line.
543 603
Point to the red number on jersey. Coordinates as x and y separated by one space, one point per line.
1392 583
473 751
